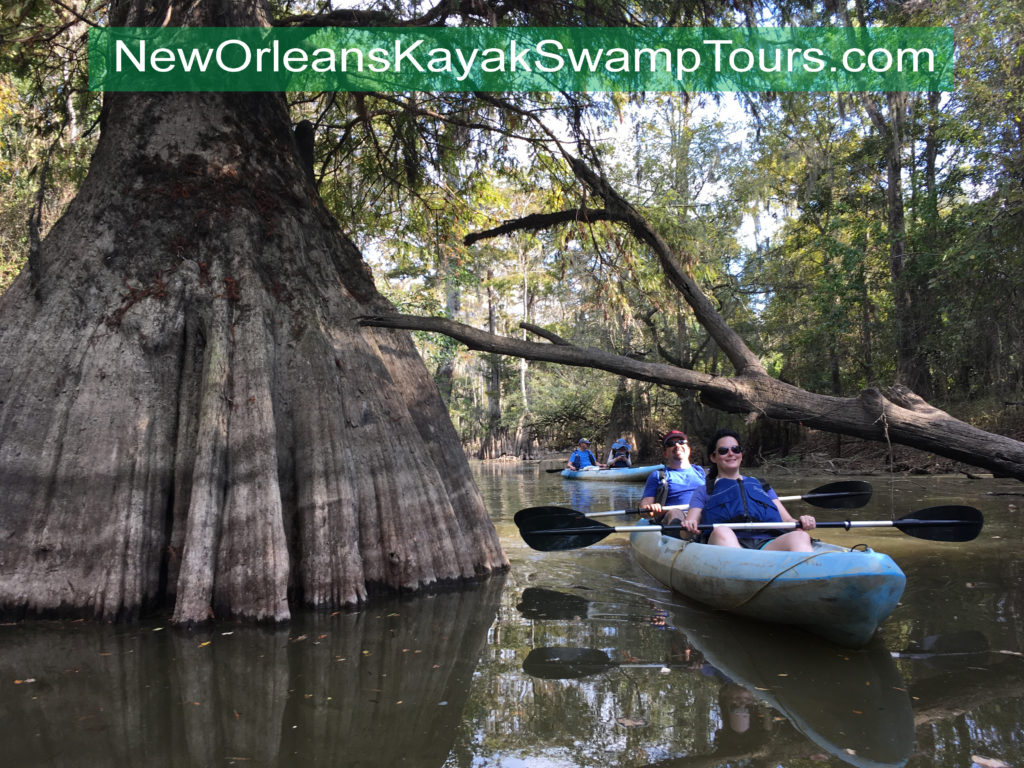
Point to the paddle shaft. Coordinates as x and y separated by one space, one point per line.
635 511
844 524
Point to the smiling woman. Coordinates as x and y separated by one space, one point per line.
730 497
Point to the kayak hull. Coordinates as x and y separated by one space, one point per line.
625 475
836 593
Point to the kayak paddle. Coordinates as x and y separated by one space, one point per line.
552 663
845 494
559 531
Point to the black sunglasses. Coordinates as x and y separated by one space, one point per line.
724 450
670 443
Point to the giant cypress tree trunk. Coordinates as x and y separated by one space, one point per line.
189 415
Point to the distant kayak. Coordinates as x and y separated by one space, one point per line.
625 475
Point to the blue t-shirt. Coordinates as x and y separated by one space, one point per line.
681 484
581 459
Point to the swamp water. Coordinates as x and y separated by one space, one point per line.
570 659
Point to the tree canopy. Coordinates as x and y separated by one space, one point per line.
840 261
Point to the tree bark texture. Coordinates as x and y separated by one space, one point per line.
895 414
190 415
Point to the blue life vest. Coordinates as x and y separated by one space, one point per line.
739 502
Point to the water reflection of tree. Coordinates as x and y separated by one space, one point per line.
369 688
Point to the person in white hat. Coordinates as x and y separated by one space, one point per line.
618 456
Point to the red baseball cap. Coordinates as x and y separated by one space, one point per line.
675 434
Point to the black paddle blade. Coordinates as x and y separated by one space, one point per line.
559 532
948 523
524 516
566 663
845 494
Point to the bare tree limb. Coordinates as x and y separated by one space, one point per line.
897 414
537 221
544 333
356 17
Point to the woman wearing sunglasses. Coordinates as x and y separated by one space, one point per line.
730 497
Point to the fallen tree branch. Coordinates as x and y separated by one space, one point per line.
896 414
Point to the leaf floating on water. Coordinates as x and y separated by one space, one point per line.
204 644
988 762
631 722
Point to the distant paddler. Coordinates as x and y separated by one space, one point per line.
583 457
619 455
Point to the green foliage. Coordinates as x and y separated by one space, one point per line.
29 147
409 176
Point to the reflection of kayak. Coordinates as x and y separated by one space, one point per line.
625 475
837 593
853 704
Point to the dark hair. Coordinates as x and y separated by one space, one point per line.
713 443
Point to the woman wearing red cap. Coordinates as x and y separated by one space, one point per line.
673 485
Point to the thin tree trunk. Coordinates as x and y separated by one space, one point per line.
911 366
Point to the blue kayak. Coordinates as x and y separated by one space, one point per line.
624 475
834 592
